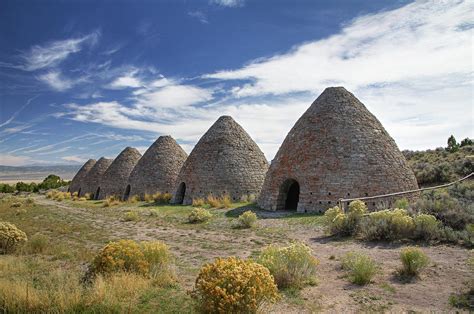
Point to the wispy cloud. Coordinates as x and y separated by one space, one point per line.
15 129
53 53
51 146
390 60
388 47
14 115
75 159
199 15
228 3
55 80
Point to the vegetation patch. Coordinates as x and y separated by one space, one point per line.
131 216
199 215
360 267
219 202
442 165
293 266
11 238
247 219
233 285
151 259
413 261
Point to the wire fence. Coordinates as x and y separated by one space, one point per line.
344 201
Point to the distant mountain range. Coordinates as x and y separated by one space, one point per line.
33 173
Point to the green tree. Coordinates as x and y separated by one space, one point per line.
23 187
51 182
453 146
7 188
466 142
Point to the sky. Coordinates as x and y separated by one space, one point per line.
85 79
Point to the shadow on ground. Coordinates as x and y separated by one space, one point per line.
266 214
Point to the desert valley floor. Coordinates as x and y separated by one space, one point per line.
76 230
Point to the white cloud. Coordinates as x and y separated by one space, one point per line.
424 39
56 81
14 160
411 67
228 3
128 80
53 53
200 16
173 96
75 159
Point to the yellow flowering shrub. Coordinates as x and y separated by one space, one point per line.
387 225
232 285
357 208
426 226
291 266
148 258
247 220
10 237
199 215
337 222
122 255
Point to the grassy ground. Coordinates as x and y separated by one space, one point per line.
64 237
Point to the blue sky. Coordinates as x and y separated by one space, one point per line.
84 79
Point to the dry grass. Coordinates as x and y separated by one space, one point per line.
219 202
198 202
24 289
111 201
134 199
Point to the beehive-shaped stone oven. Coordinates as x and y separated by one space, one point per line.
337 149
115 178
225 161
158 169
92 180
78 181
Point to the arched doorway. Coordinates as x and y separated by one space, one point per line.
79 192
289 195
96 196
126 195
180 193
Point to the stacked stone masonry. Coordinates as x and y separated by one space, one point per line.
78 180
115 178
225 161
158 169
337 149
92 180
